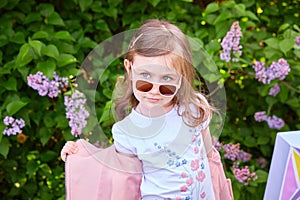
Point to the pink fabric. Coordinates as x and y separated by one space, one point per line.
222 185
98 174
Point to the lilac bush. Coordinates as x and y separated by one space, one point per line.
231 43
243 175
76 112
273 122
44 86
277 70
13 126
234 154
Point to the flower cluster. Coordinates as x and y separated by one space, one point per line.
273 122
76 112
243 175
276 70
274 90
45 86
13 126
231 43
297 41
234 153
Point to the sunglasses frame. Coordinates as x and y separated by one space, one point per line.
135 80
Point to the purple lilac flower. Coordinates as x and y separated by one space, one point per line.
273 122
276 70
297 41
44 86
260 116
13 126
243 175
261 161
76 112
230 43
233 152
39 82
244 156
218 145
62 81
274 90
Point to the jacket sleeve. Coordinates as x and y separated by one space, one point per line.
99 174
222 185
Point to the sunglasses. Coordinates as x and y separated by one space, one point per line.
164 89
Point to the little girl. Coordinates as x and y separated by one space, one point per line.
163 121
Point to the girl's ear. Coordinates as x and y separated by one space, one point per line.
127 66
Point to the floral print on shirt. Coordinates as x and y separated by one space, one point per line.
193 171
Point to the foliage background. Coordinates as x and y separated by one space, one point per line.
57 35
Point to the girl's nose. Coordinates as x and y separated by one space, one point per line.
155 89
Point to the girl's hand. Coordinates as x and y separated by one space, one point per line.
70 147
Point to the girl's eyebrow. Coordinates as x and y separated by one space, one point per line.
168 73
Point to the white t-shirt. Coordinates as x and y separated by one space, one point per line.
175 164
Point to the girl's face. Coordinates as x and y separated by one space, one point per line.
155 84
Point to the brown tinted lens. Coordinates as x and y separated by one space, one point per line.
167 89
143 86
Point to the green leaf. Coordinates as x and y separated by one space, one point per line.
283 27
15 106
61 121
66 59
46 9
272 53
26 54
10 84
4 147
64 35
283 94
262 176
271 100
3 40
212 7
84 4
3 3
293 102
240 10
40 35
33 17
18 38
49 119
223 17
37 46
286 45
263 140
44 135
32 166
272 42
251 15
250 141
154 2
211 77
48 67
51 51
55 19
102 25
2 128
48 156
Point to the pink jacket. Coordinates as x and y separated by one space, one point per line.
104 174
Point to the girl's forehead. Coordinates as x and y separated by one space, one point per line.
157 64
